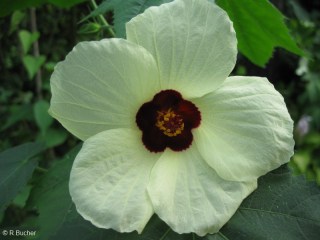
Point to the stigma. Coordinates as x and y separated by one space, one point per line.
170 123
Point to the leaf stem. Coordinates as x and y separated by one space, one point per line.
165 234
223 236
103 20
41 169
36 52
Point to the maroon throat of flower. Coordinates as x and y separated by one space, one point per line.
167 121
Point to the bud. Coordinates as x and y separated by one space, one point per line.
89 28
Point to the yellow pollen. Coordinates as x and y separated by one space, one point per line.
170 123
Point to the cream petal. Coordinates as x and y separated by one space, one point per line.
101 86
109 178
190 196
193 42
246 130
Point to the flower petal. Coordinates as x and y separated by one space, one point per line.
109 178
193 42
190 197
101 86
246 130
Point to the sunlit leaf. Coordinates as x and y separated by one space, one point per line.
259 25
260 28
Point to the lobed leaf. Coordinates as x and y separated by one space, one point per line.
260 28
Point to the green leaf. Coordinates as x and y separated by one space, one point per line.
313 139
299 11
16 114
66 4
53 137
124 11
27 39
49 66
21 199
16 167
260 28
283 207
16 18
302 160
42 117
33 64
318 175
50 196
104 7
8 6
259 25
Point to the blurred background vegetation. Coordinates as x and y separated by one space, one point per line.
35 36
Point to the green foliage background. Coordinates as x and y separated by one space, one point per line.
37 153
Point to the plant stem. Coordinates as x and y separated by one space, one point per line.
41 170
103 20
36 53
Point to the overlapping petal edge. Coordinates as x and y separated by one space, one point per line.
245 130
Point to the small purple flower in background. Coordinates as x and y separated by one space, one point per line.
303 126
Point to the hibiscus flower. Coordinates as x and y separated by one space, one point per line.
165 130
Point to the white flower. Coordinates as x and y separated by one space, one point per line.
166 130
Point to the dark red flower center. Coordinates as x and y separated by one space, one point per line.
166 121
